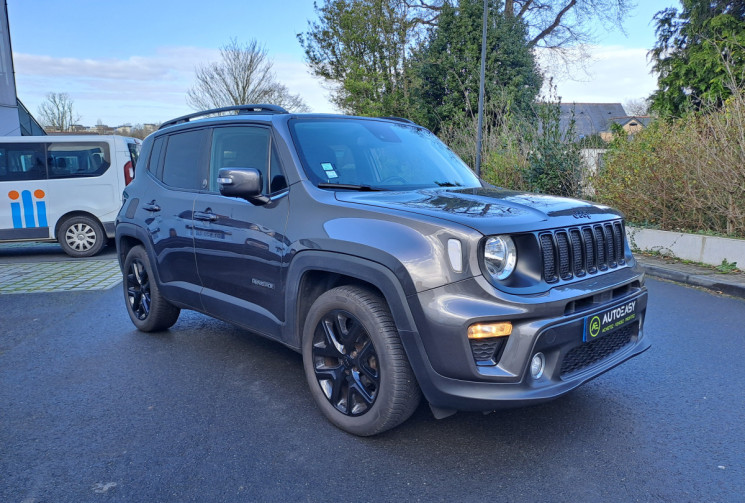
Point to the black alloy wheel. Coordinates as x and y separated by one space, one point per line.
138 289
147 308
345 363
355 364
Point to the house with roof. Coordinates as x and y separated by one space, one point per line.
592 119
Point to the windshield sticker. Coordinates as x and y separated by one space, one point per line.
327 166
332 174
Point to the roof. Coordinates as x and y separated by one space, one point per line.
590 118
644 120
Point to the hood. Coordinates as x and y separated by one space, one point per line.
488 210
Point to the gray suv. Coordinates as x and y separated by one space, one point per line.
372 249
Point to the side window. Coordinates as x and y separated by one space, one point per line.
277 177
186 162
22 161
79 159
240 147
153 161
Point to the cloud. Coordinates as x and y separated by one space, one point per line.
610 74
295 75
139 89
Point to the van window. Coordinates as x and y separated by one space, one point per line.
186 162
78 159
22 161
134 152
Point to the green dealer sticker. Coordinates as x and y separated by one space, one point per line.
598 325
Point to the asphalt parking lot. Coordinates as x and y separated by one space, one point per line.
94 410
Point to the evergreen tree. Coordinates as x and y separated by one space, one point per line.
360 48
699 54
446 70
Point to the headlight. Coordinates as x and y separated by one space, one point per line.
500 256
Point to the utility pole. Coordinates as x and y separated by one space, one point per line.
480 134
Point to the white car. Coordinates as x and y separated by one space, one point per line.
64 188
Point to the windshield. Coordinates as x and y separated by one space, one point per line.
376 154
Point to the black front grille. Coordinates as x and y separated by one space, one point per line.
592 352
577 251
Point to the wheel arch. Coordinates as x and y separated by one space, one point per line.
77 213
127 237
313 272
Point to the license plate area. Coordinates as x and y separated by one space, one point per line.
608 321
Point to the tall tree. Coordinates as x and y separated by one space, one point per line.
361 48
447 67
57 113
243 75
699 54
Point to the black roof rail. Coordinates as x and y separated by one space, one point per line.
241 109
399 119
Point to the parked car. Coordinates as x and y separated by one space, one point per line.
372 249
64 188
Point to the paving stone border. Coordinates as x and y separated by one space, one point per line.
59 276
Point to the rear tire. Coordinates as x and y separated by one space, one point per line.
81 236
355 364
147 308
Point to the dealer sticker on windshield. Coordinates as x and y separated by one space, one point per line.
598 325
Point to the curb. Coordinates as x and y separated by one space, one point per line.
718 283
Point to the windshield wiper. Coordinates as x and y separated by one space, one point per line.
348 186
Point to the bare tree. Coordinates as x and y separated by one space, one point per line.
57 112
243 75
562 27
552 24
638 107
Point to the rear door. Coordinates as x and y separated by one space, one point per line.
240 248
24 194
182 167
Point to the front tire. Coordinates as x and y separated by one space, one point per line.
81 236
147 308
354 362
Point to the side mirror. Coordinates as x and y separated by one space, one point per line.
245 183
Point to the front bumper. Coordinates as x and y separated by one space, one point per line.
452 377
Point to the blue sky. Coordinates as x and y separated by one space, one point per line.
132 62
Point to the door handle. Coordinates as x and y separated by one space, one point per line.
151 206
204 216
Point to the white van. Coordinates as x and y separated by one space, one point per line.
64 188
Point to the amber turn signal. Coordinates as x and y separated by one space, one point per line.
486 330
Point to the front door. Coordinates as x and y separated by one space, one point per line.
240 248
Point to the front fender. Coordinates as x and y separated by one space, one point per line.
377 275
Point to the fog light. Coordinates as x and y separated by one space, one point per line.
536 365
487 330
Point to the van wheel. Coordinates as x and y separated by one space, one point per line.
81 236
147 308
355 364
